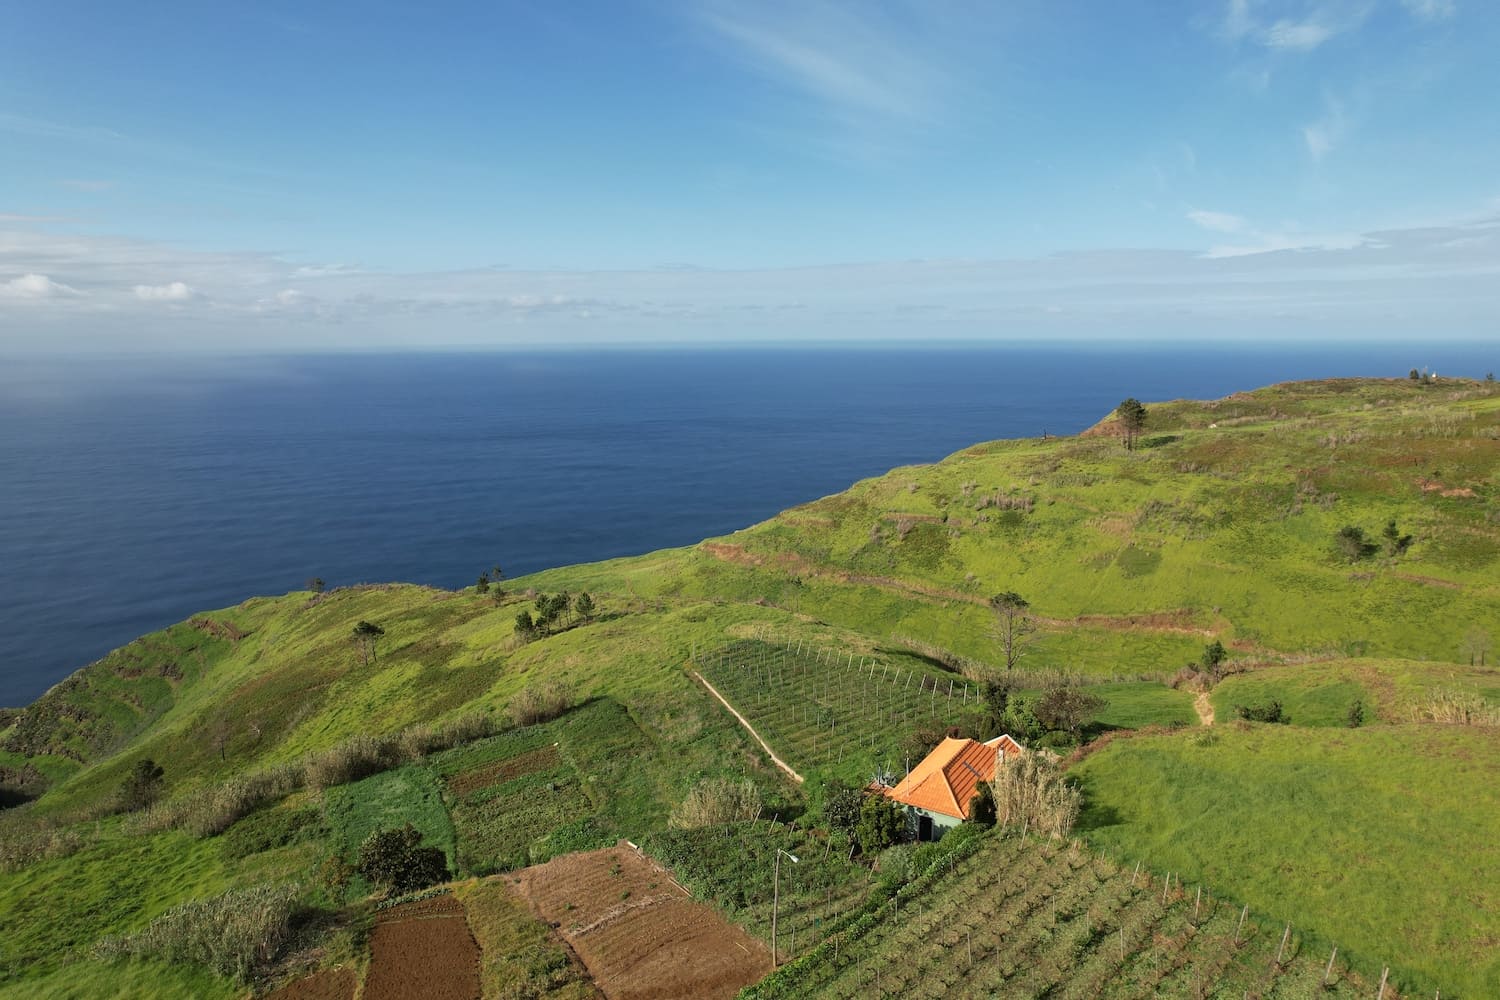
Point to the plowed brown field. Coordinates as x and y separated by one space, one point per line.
423 949
330 984
640 935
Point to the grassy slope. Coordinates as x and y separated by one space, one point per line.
1135 560
1383 838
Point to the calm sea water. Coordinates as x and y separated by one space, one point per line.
134 493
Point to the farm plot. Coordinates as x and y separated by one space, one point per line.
423 949
1022 918
732 867
640 935
838 711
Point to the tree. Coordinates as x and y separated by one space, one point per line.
142 786
525 627
396 861
996 707
365 634
881 824
1414 375
496 575
1395 542
316 585
1356 716
1351 543
584 605
483 586
841 806
1214 654
1132 417
1066 709
1489 376
1014 626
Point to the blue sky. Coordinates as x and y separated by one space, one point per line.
348 175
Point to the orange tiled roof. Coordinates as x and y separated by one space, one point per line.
946 779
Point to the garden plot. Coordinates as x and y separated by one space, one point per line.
641 935
423 949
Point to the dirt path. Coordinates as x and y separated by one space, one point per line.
1204 708
749 729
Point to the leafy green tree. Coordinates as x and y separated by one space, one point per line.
584 606
1066 709
366 634
1214 655
1015 627
525 627
1489 376
841 806
142 785
1414 375
316 585
1356 716
1352 544
396 861
1395 542
881 824
1132 416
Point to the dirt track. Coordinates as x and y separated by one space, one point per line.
640 934
749 728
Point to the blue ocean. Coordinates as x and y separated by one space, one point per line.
135 492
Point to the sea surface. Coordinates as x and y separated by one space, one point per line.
135 492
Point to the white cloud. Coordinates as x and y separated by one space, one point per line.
1302 30
1297 36
1218 222
1430 10
175 291
1322 135
36 286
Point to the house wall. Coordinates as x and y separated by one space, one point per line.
941 824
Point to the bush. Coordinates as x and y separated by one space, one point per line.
841 805
351 760
982 805
235 934
1356 716
1351 544
881 824
714 801
396 861
1271 711
540 703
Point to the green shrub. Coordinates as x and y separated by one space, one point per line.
396 861
881 824
141 787
841 804
235 934
1271 711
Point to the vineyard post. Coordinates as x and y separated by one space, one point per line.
1329 971
1165 885
1284 936
1197 903
1134 874
1237 926
1122 942
970 934
1380 994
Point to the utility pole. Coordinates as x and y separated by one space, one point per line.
776 898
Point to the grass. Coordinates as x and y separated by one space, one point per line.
133 979
520 956
1351 833
389 800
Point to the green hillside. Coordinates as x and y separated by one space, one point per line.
848 631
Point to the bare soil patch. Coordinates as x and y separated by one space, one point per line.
501 771
640 934
329 984
423 949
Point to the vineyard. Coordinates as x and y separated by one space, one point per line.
1002 915
834 710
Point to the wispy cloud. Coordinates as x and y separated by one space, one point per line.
36 286
1218 222
1365 283
172 291
1299 27
1325 133
1431 10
